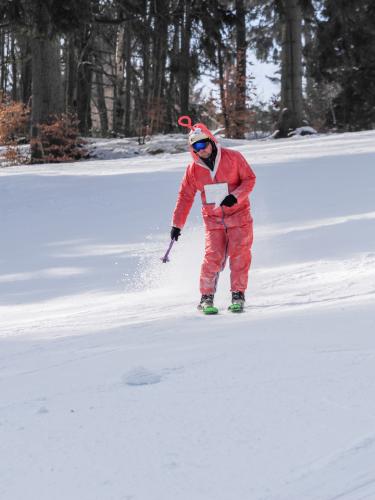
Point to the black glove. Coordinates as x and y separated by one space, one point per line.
175 233
229 201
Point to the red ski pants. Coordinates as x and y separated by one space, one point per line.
233 242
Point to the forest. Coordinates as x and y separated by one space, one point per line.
119 68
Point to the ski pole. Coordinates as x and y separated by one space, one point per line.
165 258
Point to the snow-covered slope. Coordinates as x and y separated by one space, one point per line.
112 386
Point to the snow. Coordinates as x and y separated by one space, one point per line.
306 130
161 145
129 147
113 386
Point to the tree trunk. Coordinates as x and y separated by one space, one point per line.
128 81
23 43
3 63
291 68
171 97
105 83
308 36
118 105
84 82
241 46
222 87
14 69
185 66
71 76
101 102
84 96
47 88
160 43
145 43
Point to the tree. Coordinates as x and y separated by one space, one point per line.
291 67
41 23
225 27
344 59
159 12
47 91
278 31
47 87
240 115
185 63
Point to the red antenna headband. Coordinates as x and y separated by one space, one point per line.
185 121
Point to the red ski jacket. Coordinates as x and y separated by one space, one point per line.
231 168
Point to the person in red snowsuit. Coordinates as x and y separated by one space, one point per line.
228 222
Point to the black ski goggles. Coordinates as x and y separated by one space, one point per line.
200 145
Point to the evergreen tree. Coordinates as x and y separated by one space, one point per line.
345 57
278 31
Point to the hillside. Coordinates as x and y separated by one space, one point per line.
113 386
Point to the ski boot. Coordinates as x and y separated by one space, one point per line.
206 305
238 302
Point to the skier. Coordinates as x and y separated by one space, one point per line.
225 180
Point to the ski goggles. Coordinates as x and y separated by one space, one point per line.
200 145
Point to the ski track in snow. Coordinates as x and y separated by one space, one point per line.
113 385
316 478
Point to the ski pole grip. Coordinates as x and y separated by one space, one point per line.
185 121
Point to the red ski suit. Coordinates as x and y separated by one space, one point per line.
229 230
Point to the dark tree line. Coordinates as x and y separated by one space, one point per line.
130 66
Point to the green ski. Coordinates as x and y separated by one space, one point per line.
210 310
236 308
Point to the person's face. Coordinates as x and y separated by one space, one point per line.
206 152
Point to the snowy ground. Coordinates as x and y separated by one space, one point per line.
113 387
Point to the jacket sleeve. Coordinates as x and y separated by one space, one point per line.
247 177
185 199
